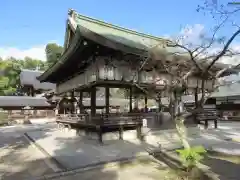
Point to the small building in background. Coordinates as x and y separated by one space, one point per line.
19 102
31 86
228 100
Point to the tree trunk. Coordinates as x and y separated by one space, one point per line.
178 110
182 131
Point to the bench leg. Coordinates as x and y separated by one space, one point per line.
215 124
139 132
206 124
121 133
68 126
86 132
99 131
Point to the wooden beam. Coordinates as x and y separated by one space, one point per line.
107 94
80 103
130 99
93 101
145 103
72 103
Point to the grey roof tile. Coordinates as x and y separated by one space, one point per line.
22 101
28 77
228 90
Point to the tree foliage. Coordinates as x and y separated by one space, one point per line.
10 68
53 53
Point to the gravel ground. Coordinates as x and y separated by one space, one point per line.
19 160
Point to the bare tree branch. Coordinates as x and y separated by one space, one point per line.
212 38
219 73
223 51
190 53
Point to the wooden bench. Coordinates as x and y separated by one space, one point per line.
208 114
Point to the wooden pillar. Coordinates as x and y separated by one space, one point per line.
99 132
72 102
215 124
196 103
145 103
136 100
107 95
159 98
121 132
206 124
139 131
130 99
32 92
159 114
196 97
80 103
93 100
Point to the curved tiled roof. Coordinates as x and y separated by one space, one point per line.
109 35
28 77
23 101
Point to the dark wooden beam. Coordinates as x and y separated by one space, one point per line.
145 103
130 99
80 103
107 95
93 101
72 103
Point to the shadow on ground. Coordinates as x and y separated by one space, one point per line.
225 169
76 152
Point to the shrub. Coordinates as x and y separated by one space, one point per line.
192 156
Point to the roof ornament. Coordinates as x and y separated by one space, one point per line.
72 13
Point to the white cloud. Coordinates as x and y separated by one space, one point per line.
36 52
193 34
235 59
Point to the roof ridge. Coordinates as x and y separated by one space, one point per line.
127 30
32 70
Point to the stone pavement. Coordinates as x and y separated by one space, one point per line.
19 160
74 152
143 168
221 139
139 171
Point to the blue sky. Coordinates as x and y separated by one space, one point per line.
28 23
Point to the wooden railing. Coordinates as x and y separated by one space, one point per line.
105 119
232 118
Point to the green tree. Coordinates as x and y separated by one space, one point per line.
53 53
33 64
10 68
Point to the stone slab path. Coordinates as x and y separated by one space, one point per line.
74 152
19 160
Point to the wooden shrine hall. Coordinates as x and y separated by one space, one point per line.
98 54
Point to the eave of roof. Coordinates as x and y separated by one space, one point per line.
109 35
22 101
227 91
88 31
74 44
